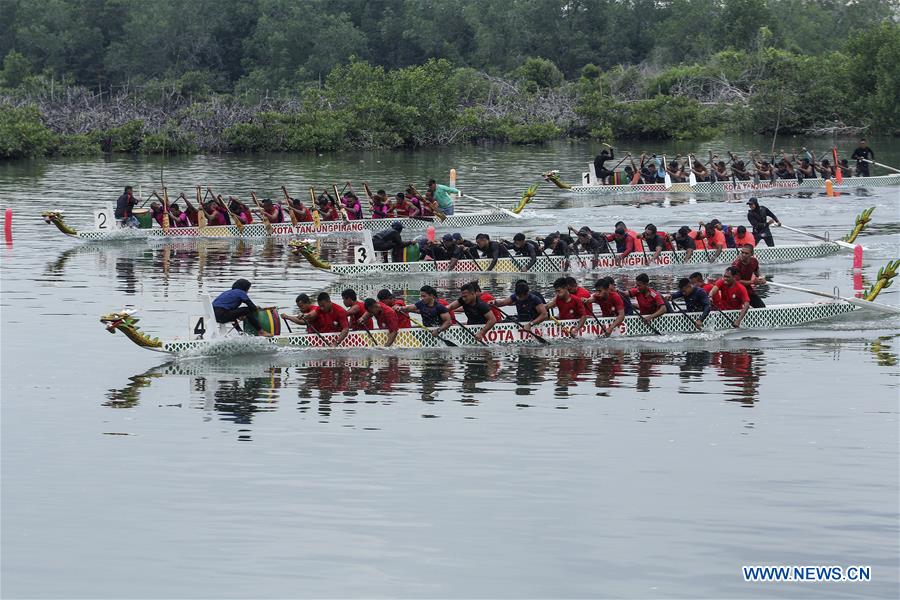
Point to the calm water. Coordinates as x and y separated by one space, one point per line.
588 469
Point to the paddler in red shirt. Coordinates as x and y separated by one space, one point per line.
386 317
742 237
355 309
624 243
610 301
300 211
327 317
656 241
387 296
748 274
575 289
729 294
697 280
569 306
711 238
650 302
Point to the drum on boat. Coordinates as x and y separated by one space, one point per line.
412 253
268 318
144 218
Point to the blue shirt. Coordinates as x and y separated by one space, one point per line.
231 299
696 301
527 309
431 315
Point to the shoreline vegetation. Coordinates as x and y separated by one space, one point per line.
96 76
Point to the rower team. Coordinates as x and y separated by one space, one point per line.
709 238
652 169
733 290
219 210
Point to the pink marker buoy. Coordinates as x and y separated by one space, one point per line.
7 225
430 233
857 269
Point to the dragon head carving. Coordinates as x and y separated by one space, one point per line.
55 217
126 322
553 177
862 219
306 250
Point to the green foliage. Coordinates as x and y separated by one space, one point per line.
125 138
168 141
80 144
661 117
873 71
22 134
15 69
539 73
277 132
525 133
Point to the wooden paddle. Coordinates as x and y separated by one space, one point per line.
340 203
165 216
234 218
667 177
434 205
201 212
290 205
317 218
262 213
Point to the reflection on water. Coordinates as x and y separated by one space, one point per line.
237 392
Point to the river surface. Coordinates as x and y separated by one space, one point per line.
641 469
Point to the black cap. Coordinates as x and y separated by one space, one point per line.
397 226
447 237
753 201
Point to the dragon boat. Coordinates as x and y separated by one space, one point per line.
558 264
547 264
728 187
771 317
208 338
105 228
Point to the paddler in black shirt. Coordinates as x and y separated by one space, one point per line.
760 218
861 155
477 312
446 250
522 247
485 247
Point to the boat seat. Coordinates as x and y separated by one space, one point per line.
215 329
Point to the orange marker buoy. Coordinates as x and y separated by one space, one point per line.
829 188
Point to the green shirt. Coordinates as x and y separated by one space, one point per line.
442 195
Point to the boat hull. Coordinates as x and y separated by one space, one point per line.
556 264
259 230
727 187
504 334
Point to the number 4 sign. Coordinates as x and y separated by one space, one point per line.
198 327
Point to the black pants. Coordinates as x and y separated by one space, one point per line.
396 250
862 169
229 316
602 174
755 300
765 236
